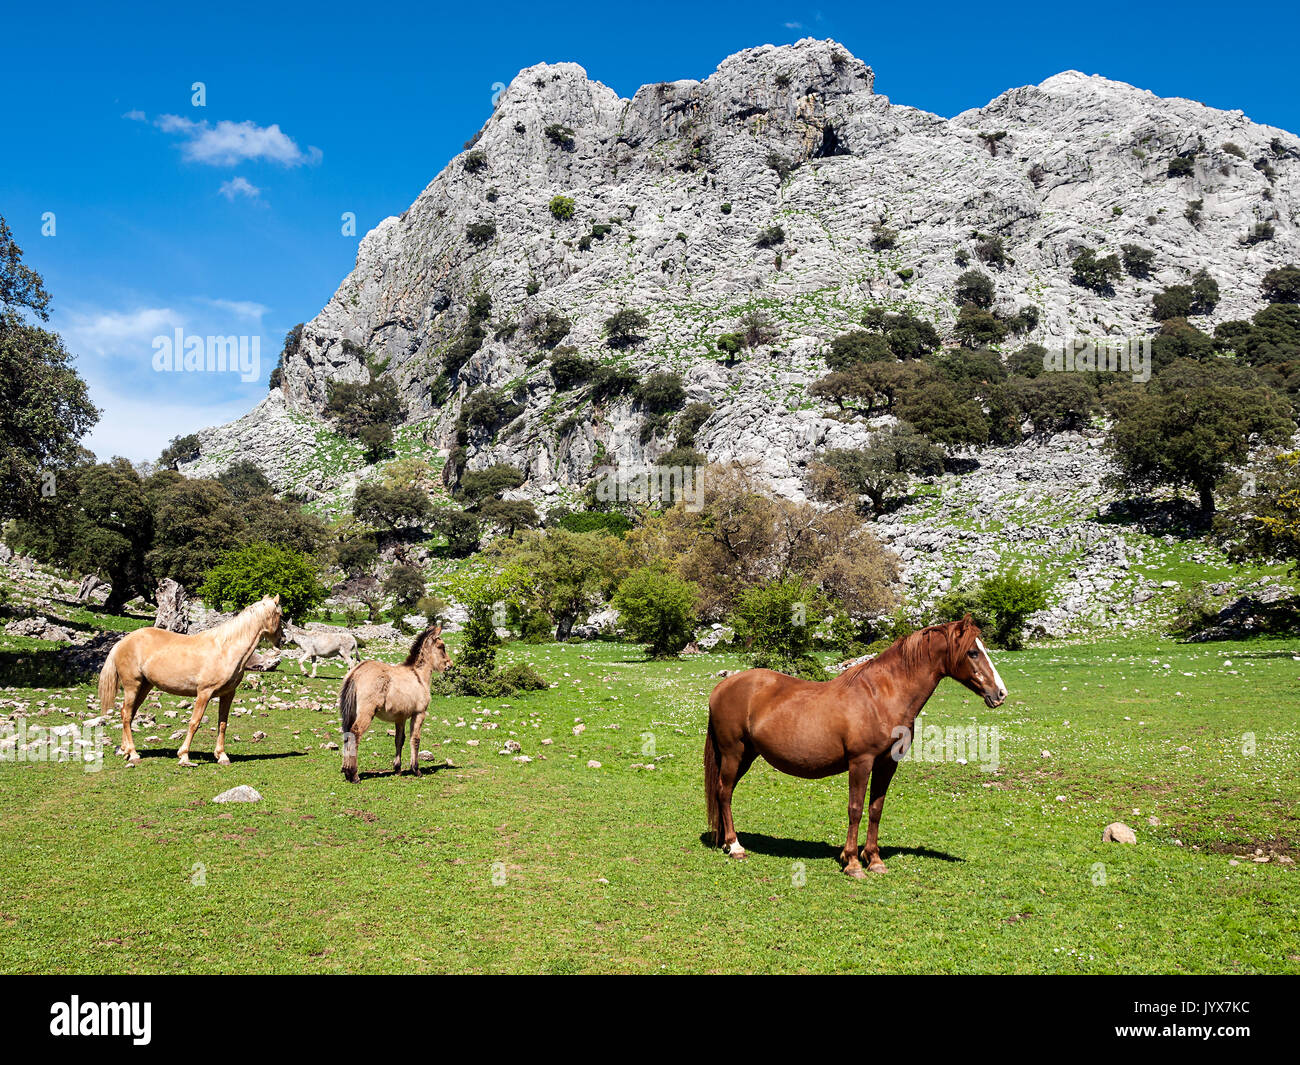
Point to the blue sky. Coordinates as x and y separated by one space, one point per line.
225 219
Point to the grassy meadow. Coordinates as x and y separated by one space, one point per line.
552 865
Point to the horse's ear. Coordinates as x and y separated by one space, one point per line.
277 600
965 623
438 629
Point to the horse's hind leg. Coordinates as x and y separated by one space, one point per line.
859 772
401 740
302 660
733 764
352 742
880 778
132 700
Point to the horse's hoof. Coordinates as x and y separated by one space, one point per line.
223 759
133 758
185 763
855 871
735 850
877 867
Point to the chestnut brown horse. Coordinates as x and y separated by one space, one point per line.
855 722
391 693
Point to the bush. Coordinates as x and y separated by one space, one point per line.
1181 166
406 586
883 238
551 328
1282 285
999 606
569 370
661 392
770 237
479 233
659 609
624 326
247 574
563 207
1138 261
1097 274
460 529
975 287
560 136
774 622
474 161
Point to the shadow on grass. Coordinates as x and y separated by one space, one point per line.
425 770
208 756
814 850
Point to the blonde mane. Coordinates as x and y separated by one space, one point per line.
239 629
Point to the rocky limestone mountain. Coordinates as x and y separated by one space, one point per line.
683 175
671 190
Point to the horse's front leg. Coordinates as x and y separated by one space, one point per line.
401 739
416 723
200 705
223 712
859 772
880 778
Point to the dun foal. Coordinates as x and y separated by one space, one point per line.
861 721
390 693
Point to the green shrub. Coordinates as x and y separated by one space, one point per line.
474 161
774 622
562 207
770 237
479 233
975 286
560 136
245 575
658 609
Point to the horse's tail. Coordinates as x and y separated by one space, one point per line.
348 703
712 772
108 682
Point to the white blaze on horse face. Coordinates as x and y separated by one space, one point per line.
997 679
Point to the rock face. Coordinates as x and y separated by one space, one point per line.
686 174
877 205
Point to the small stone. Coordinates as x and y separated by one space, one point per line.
1118 832
593 764
241 793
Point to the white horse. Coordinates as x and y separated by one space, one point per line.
324 643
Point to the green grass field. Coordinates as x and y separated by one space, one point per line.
495 865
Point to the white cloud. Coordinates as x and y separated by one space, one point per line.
238 186
794 25
241 308
230 143
135 116
140 428
104 333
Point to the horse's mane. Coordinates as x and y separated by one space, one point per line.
240 626
416 652
909 651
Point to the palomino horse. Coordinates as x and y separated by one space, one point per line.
854 722
323 643
390 693
201 665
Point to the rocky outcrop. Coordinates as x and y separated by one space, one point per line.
173 606
679 181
